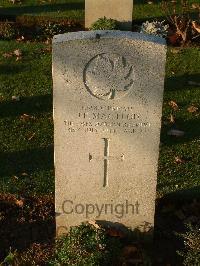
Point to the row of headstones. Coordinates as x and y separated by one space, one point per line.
108 89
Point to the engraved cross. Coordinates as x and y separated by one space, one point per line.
106 159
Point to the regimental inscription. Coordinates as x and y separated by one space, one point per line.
107 119
108 76
106 159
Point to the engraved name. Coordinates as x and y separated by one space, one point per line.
107 119
103 116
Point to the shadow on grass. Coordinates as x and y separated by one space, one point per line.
191 129
31 105
172 212
21 10
10 69
27 161
181 82
17 162
143 2
183 195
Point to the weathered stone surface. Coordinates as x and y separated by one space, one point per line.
108 88
121 11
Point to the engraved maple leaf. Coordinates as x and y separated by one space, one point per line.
108 75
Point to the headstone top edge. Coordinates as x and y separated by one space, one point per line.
105 34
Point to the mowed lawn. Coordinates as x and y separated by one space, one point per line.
74 9
179 163
26 125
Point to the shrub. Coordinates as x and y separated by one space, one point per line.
104 24
85 245
10 258
50 29
44 27
30 21
7 31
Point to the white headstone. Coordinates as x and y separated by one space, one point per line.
108 89
122 11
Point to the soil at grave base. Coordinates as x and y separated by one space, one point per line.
27 224
24 222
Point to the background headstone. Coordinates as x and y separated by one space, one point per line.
121 11
108 89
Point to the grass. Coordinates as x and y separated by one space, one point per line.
181 68
74 9
26 144
143 10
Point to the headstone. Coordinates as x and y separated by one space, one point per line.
108 89
122 11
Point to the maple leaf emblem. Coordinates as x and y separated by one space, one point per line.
108 76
